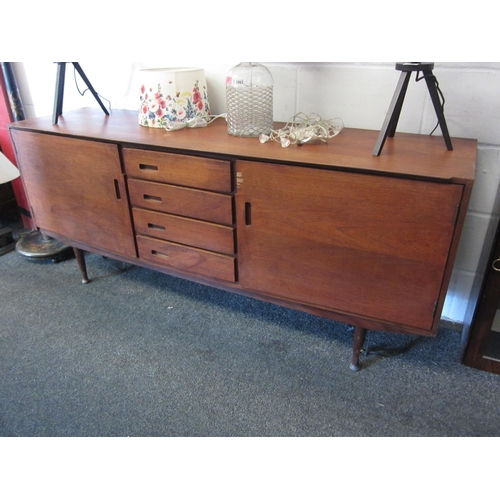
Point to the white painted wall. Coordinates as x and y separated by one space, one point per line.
360 94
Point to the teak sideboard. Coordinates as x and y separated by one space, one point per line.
328 229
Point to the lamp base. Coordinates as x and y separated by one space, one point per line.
37 246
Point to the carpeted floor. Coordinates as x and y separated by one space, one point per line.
138 353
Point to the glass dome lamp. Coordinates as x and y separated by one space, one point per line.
249 99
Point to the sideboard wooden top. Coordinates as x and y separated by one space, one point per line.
416 155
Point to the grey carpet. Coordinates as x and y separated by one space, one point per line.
138 353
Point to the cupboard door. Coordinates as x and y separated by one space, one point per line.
365 245
76 189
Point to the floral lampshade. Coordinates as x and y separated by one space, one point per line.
172 95
8 171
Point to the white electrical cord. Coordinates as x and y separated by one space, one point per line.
303 128
196 122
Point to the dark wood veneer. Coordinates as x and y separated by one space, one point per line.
328 229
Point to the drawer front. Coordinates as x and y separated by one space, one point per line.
182 170
204 205
186 259
182 230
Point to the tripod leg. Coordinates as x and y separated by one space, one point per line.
89 85
59 95
392 117
430 80
399 104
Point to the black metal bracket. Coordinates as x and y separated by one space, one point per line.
392 117
59 95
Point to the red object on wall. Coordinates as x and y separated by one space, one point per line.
6 117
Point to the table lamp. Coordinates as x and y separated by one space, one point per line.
172 95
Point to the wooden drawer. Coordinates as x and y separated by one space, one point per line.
204 205
183 170
182 230
186 258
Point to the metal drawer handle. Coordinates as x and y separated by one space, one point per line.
496 264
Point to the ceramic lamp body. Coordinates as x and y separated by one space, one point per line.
172 94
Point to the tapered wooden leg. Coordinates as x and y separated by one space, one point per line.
359 340
80 258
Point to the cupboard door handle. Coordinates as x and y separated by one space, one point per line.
248 214
117 190
496 264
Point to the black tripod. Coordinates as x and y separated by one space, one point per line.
58 100
391 120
